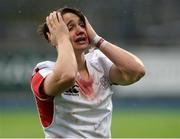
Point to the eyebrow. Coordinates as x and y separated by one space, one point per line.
73 21
69 22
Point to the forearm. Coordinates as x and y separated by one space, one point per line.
129 67
66 64
122 58
64 72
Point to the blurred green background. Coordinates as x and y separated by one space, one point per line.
150 29
126 124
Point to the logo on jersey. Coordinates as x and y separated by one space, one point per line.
73 91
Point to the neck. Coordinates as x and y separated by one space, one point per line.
82 68
81 61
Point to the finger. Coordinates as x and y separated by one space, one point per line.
86 20
59 16
55 18
50 37
51 19
48 24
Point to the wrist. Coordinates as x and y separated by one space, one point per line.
99 42
62 39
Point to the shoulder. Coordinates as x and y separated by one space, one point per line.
40 72
45 64
43 67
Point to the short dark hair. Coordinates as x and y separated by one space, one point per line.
43 28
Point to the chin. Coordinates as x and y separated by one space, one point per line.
81 47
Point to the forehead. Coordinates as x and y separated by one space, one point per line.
67 17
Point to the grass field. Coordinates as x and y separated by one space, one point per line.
129 123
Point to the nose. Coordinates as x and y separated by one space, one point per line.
79 30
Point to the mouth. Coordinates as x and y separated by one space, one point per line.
81 40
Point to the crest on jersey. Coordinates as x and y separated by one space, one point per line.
73 91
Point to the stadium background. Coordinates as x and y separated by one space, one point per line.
150 29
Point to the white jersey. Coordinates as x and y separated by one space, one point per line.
71 114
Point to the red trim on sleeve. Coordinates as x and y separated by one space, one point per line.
46 111
37 86
44 102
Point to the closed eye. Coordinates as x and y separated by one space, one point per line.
70 28
70 25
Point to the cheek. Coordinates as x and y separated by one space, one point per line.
71 37
72 42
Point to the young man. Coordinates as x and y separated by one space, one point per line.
73 94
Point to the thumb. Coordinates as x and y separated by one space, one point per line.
90 31
50 39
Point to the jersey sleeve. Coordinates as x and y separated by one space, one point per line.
40 73
105 62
